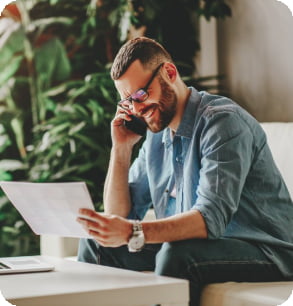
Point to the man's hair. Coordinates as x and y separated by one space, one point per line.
149 52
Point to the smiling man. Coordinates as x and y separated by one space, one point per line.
223 210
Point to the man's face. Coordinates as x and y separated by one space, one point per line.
159 107
164 108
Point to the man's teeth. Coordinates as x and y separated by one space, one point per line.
148 113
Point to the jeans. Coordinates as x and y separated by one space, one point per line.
199 261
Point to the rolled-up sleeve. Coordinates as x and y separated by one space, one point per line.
226 146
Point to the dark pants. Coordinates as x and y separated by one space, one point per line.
199 261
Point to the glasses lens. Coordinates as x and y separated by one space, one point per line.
139 96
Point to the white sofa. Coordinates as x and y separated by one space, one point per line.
280 139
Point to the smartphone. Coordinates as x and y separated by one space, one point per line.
136 125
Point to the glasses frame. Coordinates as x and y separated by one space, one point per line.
145 89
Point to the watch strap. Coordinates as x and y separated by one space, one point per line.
136 227
137 240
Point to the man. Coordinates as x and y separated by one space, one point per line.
223 210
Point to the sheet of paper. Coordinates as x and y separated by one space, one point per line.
50 208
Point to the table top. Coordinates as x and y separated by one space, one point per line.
81 283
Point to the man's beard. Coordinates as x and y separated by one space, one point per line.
166 108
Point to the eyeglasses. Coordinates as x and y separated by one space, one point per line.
141 94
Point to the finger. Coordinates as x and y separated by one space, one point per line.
105 242
126 105
104 239
119 119
123 112
94 232
87 213
90 224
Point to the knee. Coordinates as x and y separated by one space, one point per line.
179 259
170 260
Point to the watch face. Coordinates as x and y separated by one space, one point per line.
136 242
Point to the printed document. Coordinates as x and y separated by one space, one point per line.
50 208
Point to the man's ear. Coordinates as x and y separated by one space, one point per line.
171 71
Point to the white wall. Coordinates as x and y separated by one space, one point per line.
255 48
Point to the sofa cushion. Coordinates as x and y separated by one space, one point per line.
246 294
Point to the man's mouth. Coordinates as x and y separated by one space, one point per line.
147 112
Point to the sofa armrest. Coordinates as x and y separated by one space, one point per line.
280 140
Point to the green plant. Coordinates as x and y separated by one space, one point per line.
174 23
56 95
74 144
25 74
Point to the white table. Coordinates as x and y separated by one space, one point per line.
80 284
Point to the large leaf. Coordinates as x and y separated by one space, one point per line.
17 127
45 22
11 40
10 68
11 165
50 71
4 142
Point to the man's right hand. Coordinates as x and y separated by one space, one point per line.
120 134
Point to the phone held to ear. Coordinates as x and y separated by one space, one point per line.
136 125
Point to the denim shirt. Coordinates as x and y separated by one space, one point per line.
220 164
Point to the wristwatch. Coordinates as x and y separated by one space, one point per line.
137 240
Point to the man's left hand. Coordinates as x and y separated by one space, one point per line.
107 230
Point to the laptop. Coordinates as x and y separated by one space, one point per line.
23 264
